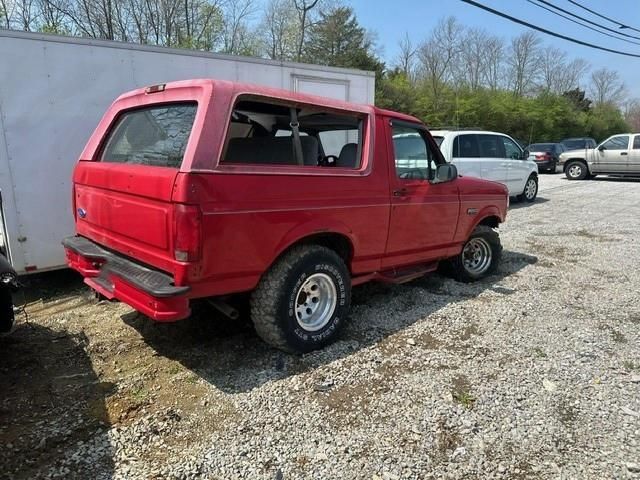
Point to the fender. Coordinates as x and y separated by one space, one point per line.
483 214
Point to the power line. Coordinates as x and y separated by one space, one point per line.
587 20
590 27
622 25
548 32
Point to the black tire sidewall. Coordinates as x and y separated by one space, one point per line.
583 173
492 239
298 338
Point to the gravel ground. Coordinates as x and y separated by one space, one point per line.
533 373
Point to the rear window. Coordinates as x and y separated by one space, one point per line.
574 144
540 147
156 136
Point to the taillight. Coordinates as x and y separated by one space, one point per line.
187 231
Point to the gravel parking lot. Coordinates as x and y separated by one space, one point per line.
533 373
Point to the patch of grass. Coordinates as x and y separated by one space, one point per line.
464 398
174 369
139 395
461 392
631 365
192 379
539 352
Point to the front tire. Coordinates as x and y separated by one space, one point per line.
480 256
576 171
530 191
303 300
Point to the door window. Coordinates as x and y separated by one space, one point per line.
636 142
414 158
511 149
617 143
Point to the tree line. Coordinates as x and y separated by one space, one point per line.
455 76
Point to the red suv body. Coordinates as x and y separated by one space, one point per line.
209 188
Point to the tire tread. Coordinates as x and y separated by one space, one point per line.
266 297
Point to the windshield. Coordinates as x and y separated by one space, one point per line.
156 135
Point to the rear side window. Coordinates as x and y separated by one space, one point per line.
466 146
279 134
155 136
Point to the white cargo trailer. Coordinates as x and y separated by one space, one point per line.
53 92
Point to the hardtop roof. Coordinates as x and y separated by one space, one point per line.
237 88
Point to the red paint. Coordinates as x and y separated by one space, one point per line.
232 221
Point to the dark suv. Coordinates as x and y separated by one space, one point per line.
578 143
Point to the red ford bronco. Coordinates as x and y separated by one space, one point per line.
206 188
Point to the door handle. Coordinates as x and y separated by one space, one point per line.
624 153
400 192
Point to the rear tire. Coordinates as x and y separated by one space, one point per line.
576 170
480 256
303 300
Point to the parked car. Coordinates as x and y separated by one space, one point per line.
205 188
617 155
578 143
491 156
546 155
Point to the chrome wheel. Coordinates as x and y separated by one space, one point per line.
316 301
530 189
476 256
575 170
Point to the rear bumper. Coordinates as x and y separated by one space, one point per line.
149 291
546 164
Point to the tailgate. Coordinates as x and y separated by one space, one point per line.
126 208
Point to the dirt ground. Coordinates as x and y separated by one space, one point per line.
91 389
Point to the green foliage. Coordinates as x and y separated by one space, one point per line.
337 39
578 99
546 117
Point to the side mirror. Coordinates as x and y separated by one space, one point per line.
525 155
602 148
445 173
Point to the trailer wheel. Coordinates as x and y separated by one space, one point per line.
303 300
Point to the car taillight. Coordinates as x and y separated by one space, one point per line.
187 230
